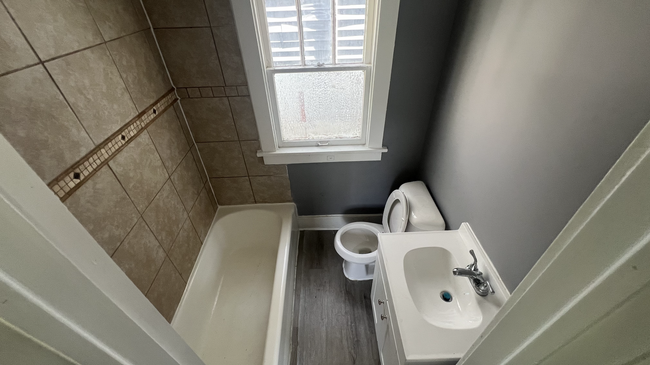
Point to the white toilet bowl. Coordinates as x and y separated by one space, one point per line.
357 242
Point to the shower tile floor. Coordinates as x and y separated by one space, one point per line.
333 322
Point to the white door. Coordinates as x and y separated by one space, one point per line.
62 299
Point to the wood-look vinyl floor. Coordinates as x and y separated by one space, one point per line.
333 322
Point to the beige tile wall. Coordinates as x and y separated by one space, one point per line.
199 43
72 72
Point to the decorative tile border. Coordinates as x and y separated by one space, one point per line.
211 91
76 175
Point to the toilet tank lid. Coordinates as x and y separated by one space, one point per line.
423 212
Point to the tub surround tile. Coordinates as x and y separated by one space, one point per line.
140 68
199 164
165 215
55 27
103 208
210 119
194 92
233 190
115 18
83 169
220 12
242 111
185 250
182 93
13 47
218 91
168 137
206 92
177 13
92 84
223 159
243 90
143 23
166 290
140 170
187 181
39 124
213 200
255 165
191 56
229 55
271 189
140 256
231 90
202 214
183 122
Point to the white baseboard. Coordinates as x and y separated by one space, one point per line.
333 221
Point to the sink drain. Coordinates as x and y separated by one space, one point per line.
446 296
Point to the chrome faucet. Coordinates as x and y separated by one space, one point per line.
481 286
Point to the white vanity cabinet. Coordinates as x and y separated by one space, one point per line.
424 314
385 325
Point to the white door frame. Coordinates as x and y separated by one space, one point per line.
584 301
58 286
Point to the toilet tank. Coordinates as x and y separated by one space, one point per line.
423 212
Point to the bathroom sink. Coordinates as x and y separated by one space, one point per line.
442 299
437 316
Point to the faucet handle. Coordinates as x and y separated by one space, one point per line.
473 266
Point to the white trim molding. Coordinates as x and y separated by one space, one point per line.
334 221
381 27
321 154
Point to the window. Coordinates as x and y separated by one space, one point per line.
318 73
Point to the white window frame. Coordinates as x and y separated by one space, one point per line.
251 29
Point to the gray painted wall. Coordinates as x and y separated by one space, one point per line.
542 98
424 28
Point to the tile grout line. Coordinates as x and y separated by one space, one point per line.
214 42
94 21
42 63
69 105
105 43
171 81
110 54
223 77
130 230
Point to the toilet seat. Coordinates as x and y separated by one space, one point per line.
396 213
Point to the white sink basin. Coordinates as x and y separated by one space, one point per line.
417 268
428 274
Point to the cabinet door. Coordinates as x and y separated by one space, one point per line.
389 350
379 310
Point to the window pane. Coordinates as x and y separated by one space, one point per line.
282 19
350 29
320 105
317 31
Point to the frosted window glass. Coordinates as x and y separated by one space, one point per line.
282 20
320 105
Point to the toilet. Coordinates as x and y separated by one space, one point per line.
408 209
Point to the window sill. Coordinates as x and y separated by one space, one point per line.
321 154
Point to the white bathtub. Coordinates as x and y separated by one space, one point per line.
237 306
